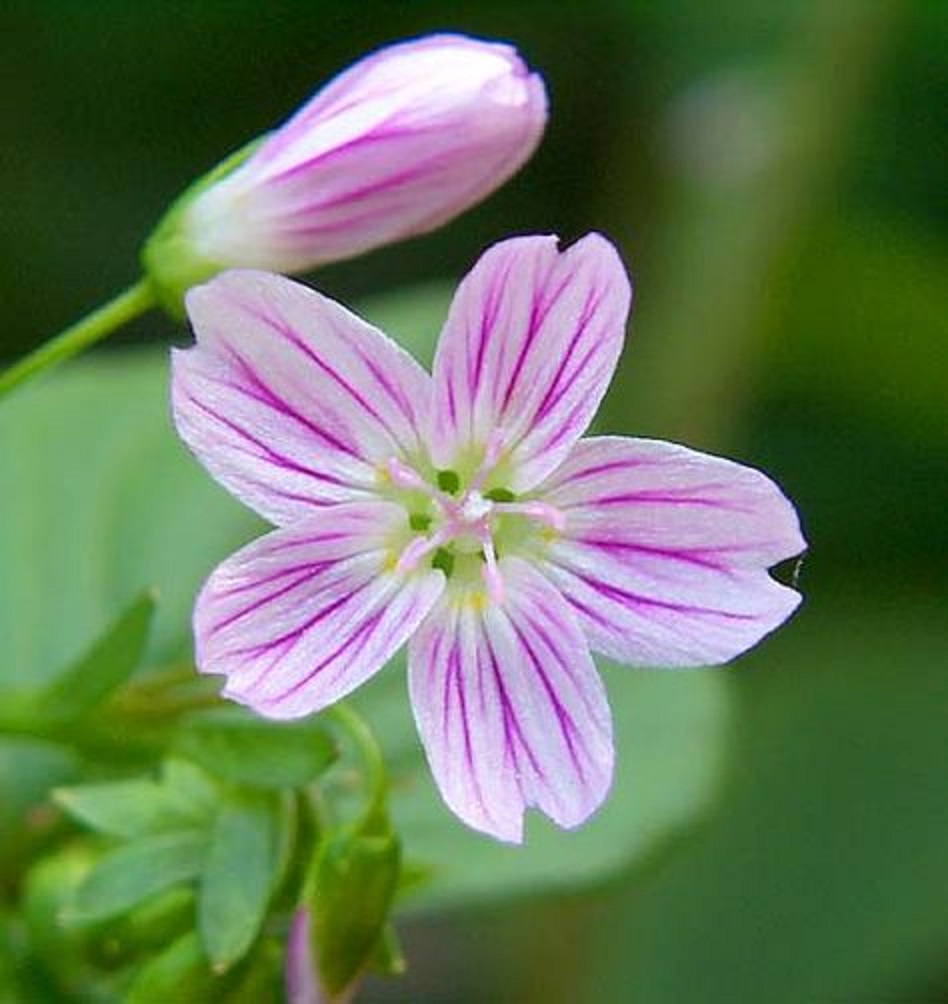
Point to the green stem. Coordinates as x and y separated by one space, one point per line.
352 723
91 329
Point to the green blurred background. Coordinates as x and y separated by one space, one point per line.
774 176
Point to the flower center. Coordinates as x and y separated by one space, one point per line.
465 528
474 508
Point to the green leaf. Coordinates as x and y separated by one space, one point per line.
185 798
27 771
157 921
350 896
103 503
670 731
131 874
48 887
238 747
126 809
189 789
261 978
178 974
285 839
104 667
238 877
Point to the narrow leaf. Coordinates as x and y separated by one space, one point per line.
128 809
129 875
184 799
151 926
178 974
239 748
189 789
106 665
238 877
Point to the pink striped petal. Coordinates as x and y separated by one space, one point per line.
529 347
302 616
665 551
288 399
510 708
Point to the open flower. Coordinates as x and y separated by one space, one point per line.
402 141
463 513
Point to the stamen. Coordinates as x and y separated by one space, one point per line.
490 572
408 478
542 512
420 547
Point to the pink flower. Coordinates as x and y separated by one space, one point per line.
462 513
399 143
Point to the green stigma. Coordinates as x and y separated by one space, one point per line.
448 481
419 521
444 560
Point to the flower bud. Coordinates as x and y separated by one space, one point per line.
396 145
301 982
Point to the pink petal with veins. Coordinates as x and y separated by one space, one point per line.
665 551
303 615
290 400
510 708
527 352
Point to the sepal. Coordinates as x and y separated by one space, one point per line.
169 256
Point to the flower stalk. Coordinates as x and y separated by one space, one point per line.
126 306
375 814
